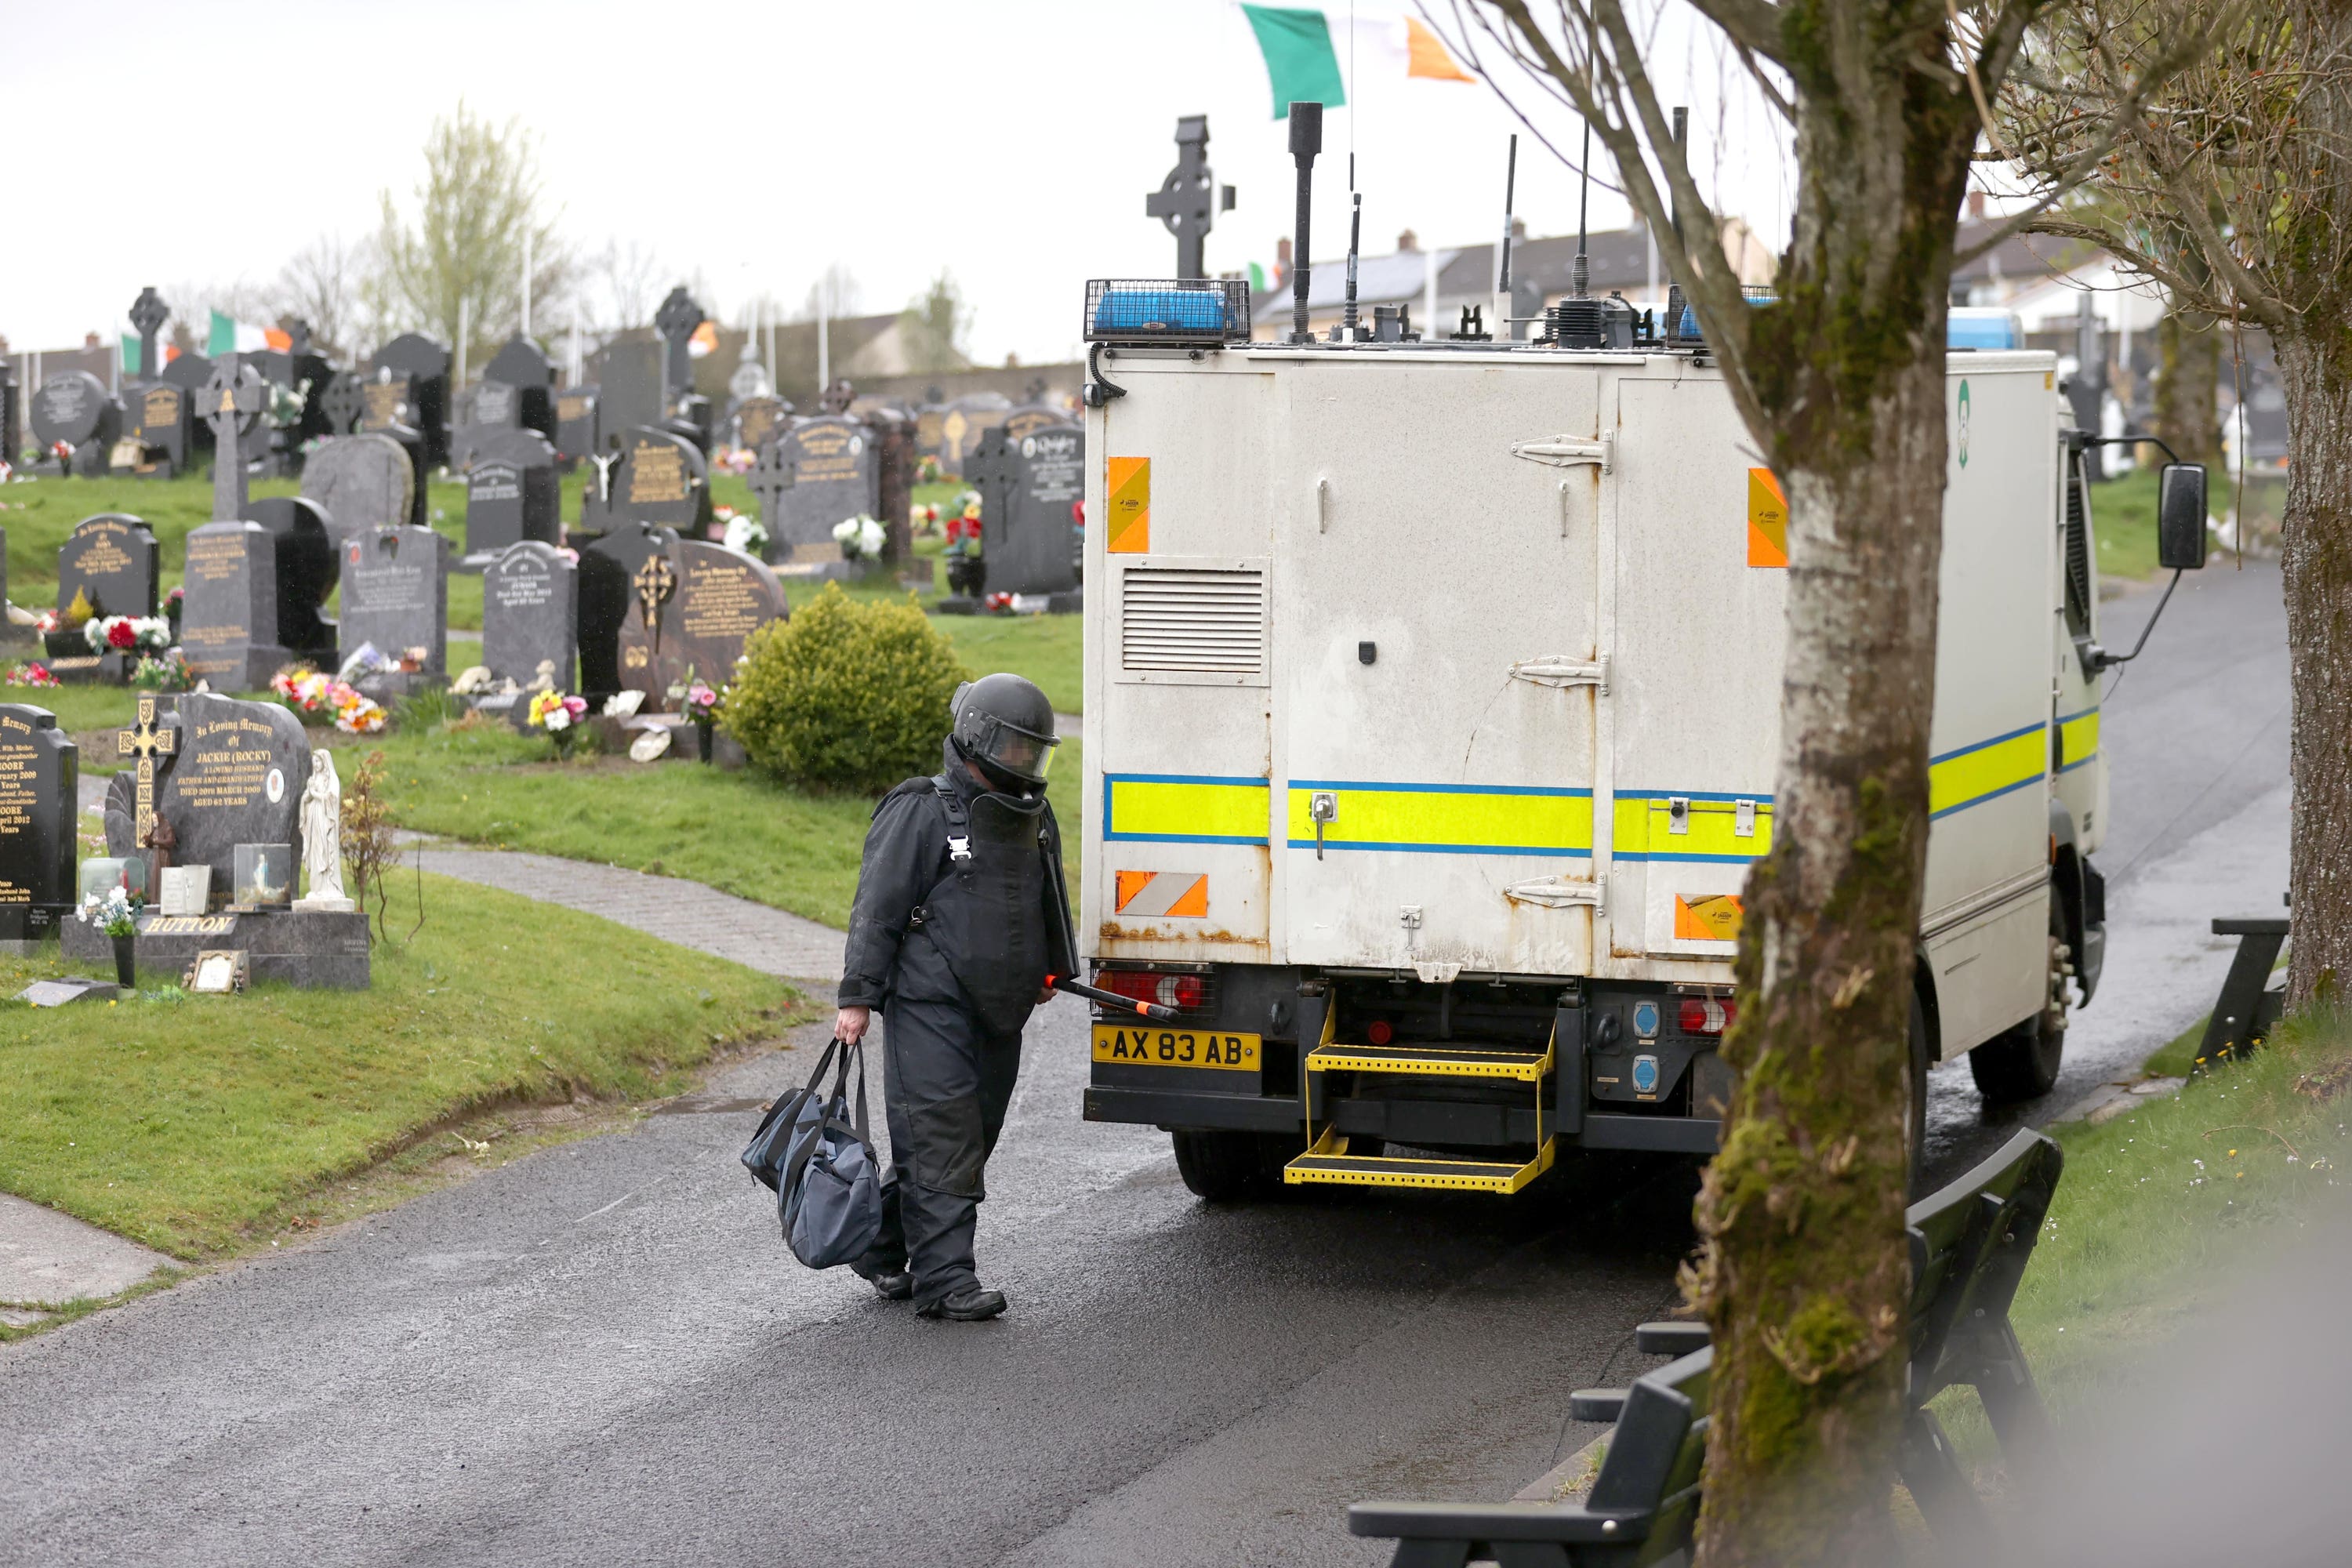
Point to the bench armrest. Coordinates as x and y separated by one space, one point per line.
1673 1338
1602 1405
1563 1522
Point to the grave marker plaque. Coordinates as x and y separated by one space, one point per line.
396 594
691 608
530 615
512 494
836 475
40 783
362 482
228 624
73 406
112 560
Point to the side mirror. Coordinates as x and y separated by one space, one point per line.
2180 516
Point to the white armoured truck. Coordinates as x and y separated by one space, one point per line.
1432 706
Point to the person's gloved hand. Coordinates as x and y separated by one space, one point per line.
1044 995
851 1023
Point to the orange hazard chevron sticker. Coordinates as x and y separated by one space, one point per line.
1152 895
1129 482
1768 519
1713 918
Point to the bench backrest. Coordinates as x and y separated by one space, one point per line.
1969 1244
1656 1450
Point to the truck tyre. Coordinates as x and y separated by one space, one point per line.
1225 1166
1919 1066
2022 1062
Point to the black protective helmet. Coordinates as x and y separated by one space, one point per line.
1004 723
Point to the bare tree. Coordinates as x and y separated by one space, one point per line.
1840 377
623 284
328 284
480 212
934 325
2233 189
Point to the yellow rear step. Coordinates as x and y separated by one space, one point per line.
1329 1161
1528 1067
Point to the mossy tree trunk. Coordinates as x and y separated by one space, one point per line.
2187 385
1805 1272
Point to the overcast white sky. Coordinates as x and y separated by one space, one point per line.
1012 142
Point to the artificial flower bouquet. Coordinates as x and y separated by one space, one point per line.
127 634
559 715
114 911
860 538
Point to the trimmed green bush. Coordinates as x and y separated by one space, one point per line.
848 694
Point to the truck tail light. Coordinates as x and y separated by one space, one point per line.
1706 1014
1187 993
1379 1032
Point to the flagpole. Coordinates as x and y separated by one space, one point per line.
526 283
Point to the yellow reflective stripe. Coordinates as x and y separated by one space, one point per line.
2078 738
1444 819
1185 810
1644 829
1980 772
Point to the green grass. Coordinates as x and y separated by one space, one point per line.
1045 648
2160 1209
191 1124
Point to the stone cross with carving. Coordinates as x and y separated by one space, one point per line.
148 313
656 580
230 402
1190 199
675 320
770 476
154 745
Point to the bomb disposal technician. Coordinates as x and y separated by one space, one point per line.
961 917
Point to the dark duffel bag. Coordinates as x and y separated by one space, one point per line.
820 1162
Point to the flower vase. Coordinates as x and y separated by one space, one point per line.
702 730
126 962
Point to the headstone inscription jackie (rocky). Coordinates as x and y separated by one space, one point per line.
233 775
39 780
512 493
396 594
362 482
835 476
113 561
530 615
691 609
229 623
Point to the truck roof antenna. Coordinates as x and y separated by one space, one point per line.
1581 277
1306 141
1346 331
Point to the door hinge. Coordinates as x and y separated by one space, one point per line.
1558 670
1555 893
1566 452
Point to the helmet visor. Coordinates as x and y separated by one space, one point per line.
1018 752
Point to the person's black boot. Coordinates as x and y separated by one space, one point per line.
895 1284
969 1305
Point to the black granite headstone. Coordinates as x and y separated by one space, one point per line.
512 494
395 588
657 477
835 476
1029 486
609 592
161 423
410 385
530 380
629 395
73 407
677 319
306 570
362 482
690 610
39 781
233 775
530 615
113 561
228 624
575 424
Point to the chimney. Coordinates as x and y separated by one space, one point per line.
89 340
1518 229
1976 206
1408 242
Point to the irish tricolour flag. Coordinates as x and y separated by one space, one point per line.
1309 54
231 336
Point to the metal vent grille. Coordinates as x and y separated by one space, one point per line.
1176 618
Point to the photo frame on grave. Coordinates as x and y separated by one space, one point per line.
219 972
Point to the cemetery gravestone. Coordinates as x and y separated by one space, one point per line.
342 400
305 569
39 783
528 380
160 423
8 397
530 615
148 314
690 609
1028 489
629 397
112 562
229 623
396 594
412 388
655 477
677 319
961 424
608 591
231 404
1032 417
512 494
575 424
363 481
73 407
835 476
769 478
758 419
927 434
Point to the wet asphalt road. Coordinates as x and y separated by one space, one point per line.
601 1352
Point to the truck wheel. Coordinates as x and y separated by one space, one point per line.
1224 1166
2022 1063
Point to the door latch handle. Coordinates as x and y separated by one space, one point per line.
1323 806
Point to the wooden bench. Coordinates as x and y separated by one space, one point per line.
1969 1244
2248 1006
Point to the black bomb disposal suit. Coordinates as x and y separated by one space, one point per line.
960 917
